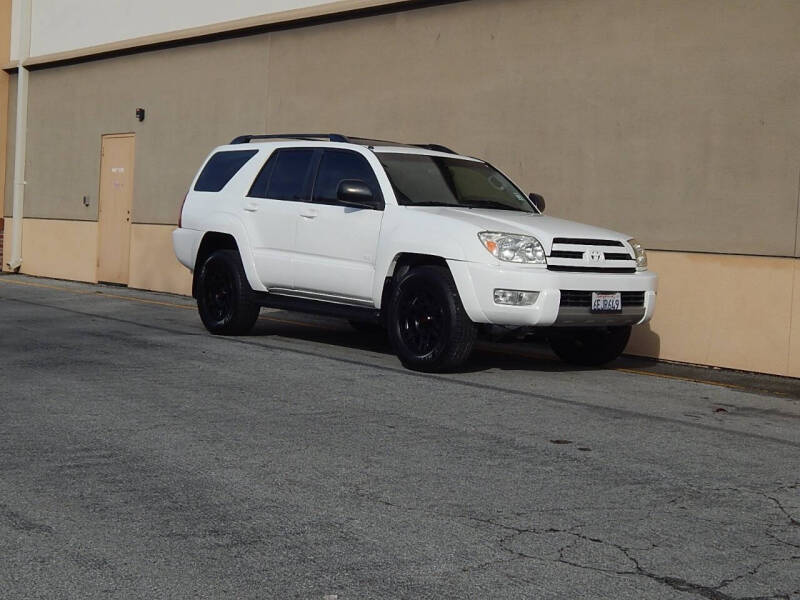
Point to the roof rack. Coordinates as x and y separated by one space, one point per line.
436 147
331 137
336 137
371 142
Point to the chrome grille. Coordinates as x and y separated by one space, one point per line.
586 242
585 255
617 256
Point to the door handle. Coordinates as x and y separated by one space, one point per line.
309 213
251 207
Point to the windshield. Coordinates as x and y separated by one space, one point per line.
422 180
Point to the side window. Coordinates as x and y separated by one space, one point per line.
259 187
221 168
290 175
335 167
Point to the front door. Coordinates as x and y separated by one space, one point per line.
116 198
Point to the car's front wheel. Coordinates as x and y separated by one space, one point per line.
223 295
426 322
592 346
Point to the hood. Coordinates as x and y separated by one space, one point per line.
542 227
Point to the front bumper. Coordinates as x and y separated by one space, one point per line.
476 283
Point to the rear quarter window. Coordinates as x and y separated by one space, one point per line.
221 168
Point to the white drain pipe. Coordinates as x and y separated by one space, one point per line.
20 135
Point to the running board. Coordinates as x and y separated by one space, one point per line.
318 307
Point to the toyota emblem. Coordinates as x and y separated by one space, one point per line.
593 255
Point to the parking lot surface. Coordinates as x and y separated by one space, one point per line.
145 458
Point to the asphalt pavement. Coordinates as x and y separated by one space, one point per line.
141 457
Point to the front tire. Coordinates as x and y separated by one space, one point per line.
427 325
224 296
589 347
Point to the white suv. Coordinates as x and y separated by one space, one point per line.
430 245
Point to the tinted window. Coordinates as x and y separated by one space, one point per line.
259 189
220 168
290 176
338 165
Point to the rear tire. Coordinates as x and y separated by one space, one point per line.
224 296
589 347
427 325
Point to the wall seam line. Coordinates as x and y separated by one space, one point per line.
794 279
267 82
791 320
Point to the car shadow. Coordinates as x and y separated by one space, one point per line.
529 355
488 354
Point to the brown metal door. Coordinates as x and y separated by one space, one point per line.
116 198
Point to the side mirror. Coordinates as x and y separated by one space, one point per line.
353 192
538 202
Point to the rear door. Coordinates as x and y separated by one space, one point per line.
271 210
335 248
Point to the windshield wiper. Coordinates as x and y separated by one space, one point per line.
488 204
431 204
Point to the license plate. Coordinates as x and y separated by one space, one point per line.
602 303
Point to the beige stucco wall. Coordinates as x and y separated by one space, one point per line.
794 327
732 311
153 263
62 249
68 250
676 121
193 101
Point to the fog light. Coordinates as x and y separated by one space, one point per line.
515 297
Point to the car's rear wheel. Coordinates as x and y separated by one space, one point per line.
591 347
224 296
427 325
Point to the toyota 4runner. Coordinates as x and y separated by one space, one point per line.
428 244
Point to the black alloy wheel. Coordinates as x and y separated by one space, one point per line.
427 324
224 298
421 319
218 292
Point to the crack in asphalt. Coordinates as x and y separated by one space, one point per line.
19 522
677 583
789 516
781 541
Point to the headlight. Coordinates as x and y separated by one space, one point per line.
639 253
511 247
